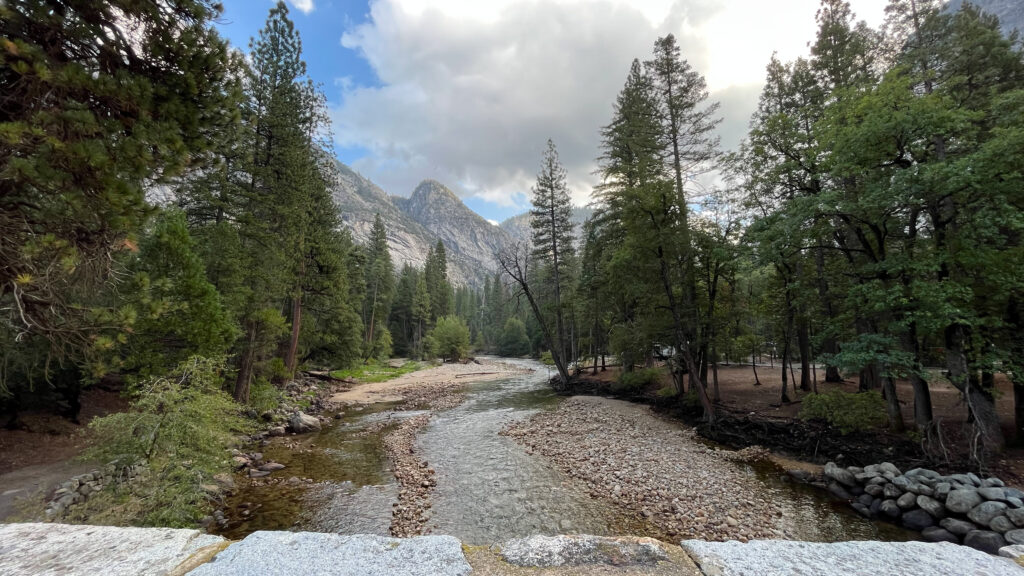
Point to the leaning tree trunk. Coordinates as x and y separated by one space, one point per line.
988 436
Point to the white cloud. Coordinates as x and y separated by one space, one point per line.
492 222
304 6
471 90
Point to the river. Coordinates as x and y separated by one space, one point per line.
488 487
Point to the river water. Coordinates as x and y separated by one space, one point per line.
488 488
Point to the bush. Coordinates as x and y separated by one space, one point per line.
546 358
451 335
846 411
637 380
264 396
181 425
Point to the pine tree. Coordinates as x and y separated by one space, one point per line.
380 281
550 220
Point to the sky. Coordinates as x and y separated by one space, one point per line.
467 92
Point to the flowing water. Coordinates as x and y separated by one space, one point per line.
488 488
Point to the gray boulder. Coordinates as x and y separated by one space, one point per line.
984 513
1013 493
888 467
974 478
985 540
890 509
992 493
917 520
942 490
993 481
1016 515
907 501
936 534
1013 551
957 526
300 423
841 475
891 491
1001 524
861 509
963 500
1014 536
873 490
932 506
837 490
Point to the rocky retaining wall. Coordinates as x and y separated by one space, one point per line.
78 489
959 508
58 549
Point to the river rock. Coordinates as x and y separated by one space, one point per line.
1016 515
974 479
1014 502
1014 536
866 499
985 540
297 553
957 526
550 551
992 493
932 506
837 490
254 473
861 509
890 509
841 475
917 520
277 431
1013 551
942 490
780 557
300 423
907 501
963 500
992 482
936 534
985 512
891 491
873 490
272 466
1013 493
963 479
1001 524
888 467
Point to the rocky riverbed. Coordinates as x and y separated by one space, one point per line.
653 468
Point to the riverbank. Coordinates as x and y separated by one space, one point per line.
652 467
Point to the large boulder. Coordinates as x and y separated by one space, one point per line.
300 423
984 513
963 500
1016 515
918 520
936 534
992 493
985 540
551 551
890 509
1001 524
957 526
1014 536
839 474
907 501
932 506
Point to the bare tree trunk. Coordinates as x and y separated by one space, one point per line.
988 436
753 365
291 359
803 335
245 368
714 374
892 404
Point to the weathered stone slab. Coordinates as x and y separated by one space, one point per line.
547 551
291 553
784 558
66 550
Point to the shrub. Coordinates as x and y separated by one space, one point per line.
451 336
181 425
513 340
844 410
637 380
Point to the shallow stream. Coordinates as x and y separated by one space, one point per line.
488 488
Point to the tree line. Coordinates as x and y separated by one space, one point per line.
870 222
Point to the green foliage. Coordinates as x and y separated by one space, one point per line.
451 336
181 425
546 358
849 412
264 396
637 380
513 341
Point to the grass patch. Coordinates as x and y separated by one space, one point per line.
378 372
847 411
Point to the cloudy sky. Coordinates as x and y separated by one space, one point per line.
468 91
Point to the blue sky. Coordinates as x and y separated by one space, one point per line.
467 92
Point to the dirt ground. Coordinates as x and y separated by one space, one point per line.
392 390
740 396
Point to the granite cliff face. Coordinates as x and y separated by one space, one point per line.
1009 12
416 223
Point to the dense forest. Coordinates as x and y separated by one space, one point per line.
168 228
870 223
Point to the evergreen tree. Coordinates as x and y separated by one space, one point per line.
380 282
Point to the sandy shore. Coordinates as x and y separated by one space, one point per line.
651 467
424 383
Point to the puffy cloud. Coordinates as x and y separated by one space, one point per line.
304 6
470 91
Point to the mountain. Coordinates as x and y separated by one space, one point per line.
1009 12
416 223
